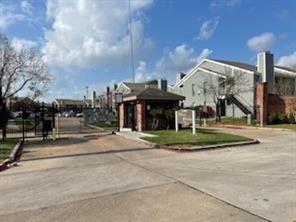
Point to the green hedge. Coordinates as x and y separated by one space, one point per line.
281 118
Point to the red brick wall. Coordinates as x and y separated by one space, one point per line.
121 115
281 104
261 102
140 115
271 103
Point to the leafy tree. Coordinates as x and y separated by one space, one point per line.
156 113
169 116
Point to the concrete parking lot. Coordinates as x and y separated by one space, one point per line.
137 183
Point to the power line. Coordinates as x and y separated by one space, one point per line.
131 40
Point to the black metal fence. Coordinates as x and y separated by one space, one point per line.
28 122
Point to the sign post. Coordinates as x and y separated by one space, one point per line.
193 122
176 121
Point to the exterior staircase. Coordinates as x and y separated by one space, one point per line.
246 110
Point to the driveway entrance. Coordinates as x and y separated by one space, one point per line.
115 179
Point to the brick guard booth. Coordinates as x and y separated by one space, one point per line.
134 111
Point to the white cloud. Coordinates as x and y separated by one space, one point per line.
217 4
27 7
204 54
140 74
262 42
208 28
93 33
181 59
288 61
143 74
19 43
9 15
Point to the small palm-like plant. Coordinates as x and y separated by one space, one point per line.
156 113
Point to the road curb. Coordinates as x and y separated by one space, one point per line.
191 149
152 145
100 128
94 127
13 157
209 147
229 126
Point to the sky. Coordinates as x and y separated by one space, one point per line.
86 43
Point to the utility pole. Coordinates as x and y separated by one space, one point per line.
2 108
131 40
87 91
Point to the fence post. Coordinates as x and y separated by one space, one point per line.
5 117
193 122
176 121
43 120
23 123
53 122
249 119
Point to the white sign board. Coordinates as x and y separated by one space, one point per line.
118 97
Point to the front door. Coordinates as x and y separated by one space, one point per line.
130 116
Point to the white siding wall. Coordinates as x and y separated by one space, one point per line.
122 89
199 77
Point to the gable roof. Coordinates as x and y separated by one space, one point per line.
286 68
134 86
250 67
239 65
152 94
139 86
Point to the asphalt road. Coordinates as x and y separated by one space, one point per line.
135 183
73 125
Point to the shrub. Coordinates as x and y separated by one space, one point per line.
291 119
272 118
282 118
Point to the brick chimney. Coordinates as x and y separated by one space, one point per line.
265 66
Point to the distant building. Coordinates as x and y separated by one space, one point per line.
19 103
107 99
71 104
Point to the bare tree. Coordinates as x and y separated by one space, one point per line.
284 86
221 87
22 69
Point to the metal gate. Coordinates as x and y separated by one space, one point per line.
29 123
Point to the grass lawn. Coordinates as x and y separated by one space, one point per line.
107 126
28 122
6 148
185 137
283 126
230 121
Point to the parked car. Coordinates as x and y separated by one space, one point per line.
79 115
16 114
